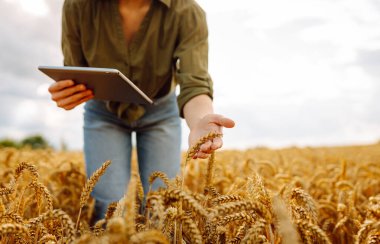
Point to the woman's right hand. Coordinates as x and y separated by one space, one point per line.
68 95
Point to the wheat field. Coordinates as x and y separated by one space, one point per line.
292 195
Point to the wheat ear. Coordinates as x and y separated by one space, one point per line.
190 154
256 233
187 199
13 229
257 191
303 205
242 216
41 189
111 210
98 227
89 186
149 236
226 199
48 238
18 172
365 229
66 222
160 175
194 149
191 229
25 166
6 190
235 207
240 233
11 218
120 207
312 232
156 205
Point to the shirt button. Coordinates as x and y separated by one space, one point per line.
178 64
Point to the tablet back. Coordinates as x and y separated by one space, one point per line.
107 84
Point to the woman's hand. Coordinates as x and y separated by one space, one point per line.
68 95
209 123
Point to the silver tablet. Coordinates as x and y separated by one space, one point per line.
107 84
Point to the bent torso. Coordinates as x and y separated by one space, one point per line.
132 13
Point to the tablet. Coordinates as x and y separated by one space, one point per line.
106 84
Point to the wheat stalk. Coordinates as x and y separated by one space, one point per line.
130 206
209 173
89 186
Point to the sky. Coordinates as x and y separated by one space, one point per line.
290 73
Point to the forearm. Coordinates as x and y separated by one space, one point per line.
197 108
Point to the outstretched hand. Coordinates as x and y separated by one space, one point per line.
209 123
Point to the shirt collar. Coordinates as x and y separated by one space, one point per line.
166 2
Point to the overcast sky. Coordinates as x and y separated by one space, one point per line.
295 72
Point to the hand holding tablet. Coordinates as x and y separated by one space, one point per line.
76 85
68 95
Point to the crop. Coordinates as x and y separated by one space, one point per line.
292 195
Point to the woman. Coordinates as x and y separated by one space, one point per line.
157 44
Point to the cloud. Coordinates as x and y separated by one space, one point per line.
289 72
28 40
297 72
370 61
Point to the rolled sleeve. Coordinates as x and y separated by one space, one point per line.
71 41
192 55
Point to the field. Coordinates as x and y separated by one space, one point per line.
292 195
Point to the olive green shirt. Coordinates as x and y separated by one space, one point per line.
170 47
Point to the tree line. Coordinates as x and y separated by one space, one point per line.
33 141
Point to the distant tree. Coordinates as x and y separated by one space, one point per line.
9 143
35 142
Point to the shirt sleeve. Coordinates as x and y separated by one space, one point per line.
191 54
71 35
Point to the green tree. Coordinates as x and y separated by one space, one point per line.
35 142
9 143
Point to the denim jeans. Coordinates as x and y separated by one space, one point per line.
106 137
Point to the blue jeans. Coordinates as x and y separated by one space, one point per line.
106 137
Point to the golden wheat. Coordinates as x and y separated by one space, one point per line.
322 195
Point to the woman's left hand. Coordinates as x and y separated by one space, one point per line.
209 123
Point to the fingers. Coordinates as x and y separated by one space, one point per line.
208 147
216 143
226 122
222 121
74 100
73 105
200 155
205 147
58 95
210 123
67 95
59 85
